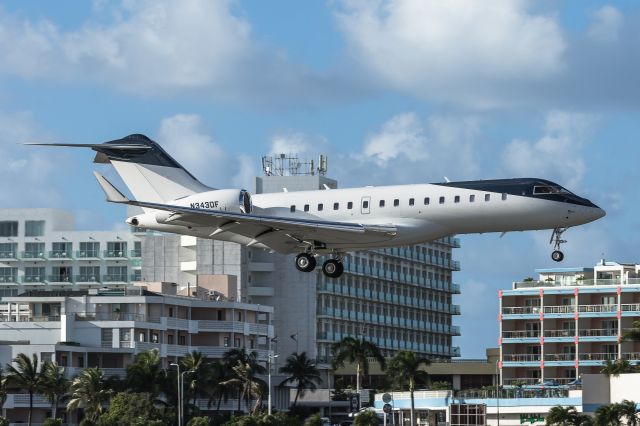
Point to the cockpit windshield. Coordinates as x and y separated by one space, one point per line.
550 189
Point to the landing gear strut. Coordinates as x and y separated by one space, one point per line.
556 240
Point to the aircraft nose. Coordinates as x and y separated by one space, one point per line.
598 213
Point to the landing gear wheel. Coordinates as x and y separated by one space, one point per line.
332 268
557 255
305 262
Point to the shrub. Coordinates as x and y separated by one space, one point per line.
198 421
52 422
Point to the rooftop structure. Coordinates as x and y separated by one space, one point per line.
568 322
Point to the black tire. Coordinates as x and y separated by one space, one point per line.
332 268
305 262
557 256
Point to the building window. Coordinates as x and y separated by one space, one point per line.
34 274
320 207
116 249
59 249
8 275
89 249
487 197
220 315
426 201
412 201
336 206
472 198
8 250
33 250
456 199
34 228
381 203
306 207
9 228
504 196
441 200
182 340
116 274
292 209
349 205
89 274
396 202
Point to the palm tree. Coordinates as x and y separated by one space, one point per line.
3 389
404 369
26 375
88 391
215 388
303 372
145 374
55 385
632 335
609 415
617 367
628 409
249 385
561 416
356 351
197 364
234 357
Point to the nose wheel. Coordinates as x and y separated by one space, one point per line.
557 241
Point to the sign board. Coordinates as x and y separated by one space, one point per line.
354 402
387 408
386 398
365 396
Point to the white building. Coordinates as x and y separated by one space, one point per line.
40 249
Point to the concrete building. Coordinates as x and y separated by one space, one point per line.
399 298
568 322
40 249
106 328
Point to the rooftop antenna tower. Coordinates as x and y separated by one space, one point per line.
292 165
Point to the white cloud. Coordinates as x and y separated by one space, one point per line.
247 170
555 155
290 143
606 24
456 52
402 135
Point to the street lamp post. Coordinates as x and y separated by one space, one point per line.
270 357
182 393
179 394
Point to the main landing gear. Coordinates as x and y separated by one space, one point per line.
556 240
332 268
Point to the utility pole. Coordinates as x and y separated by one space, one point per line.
269 382
179 394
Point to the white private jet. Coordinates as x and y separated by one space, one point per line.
331 222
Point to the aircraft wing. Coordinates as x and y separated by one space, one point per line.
282 234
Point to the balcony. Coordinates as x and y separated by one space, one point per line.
597 357
108 316
8 256
633 307
60 279
135 253
88 254
598 332
560 334
564 309
521 334
114 254
560 357
8 279
521 357
33 255
521 310
598 309
60 254
86 279
577 283
115 278
33 279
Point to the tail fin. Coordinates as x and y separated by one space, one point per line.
147 170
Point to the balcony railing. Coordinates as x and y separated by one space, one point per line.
108 316
115 254
60 279
135 253
597 357
521 334
560 357
597 308
117 278
33 279
87 254
86 278
577 283
598 332
8 279
29 318
8 255
60 254
631 356
564 309
521 357
633 307
520 310
560 333
33 255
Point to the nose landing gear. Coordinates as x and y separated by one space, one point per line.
557 241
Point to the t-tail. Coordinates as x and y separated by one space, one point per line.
148 171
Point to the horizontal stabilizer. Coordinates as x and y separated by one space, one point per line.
96 146
112 193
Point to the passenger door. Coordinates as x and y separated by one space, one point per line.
365 205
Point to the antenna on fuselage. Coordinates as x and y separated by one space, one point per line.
446 179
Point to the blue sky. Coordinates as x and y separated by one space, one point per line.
398 91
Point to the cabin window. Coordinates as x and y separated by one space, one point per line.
320 207
441 200
456 199
306 207
472 198
381 203
396 202
336 206
293 209
365 204
487 197
504 196
426 201
412 201
350 205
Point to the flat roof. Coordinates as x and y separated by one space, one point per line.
561 270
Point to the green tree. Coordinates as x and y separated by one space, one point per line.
132 409
231 359
356 351
145 374
303 372
560 416
314 420
632 335
215 388
617 367
405 370
249 385
609 415
198 421
54 385
367 418
89 391
26 375
199 370
3 388
628 410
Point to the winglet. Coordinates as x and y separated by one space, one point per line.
113 195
